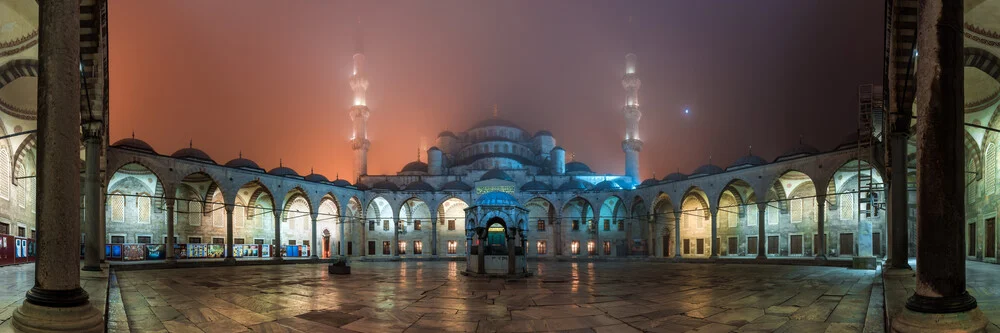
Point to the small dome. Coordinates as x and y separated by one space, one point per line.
558 148
536 186
799 151
134 144
649 182
746 162
415 166
243 163
495 122
575 185
447 133
385 185
577 167
497 199
456 185
676 176
315 177
496 174
606 185
341 182
283 171
707 169
362 187
192 154
435 148
419 185
542 133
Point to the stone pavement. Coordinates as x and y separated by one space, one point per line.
563 296
16 280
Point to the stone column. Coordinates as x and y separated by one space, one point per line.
558 235
677 234
511 265
169 247
56 302
394 247
899 251
92 200
820 226
482 252
715 233
229 234
468 249
940 302
761 231
434 231
276 251
650 235
342 245
101 234
314 247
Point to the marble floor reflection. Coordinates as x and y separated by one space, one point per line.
563 296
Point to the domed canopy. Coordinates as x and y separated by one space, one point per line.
283 171
606 185
385 185
497 199
707 169
496 174
746 162
495 122
315 177
676 176
191 153
415 166
799 151
577 167
134 144
341 182
243 163
575 185
456 185
447 133
536 186
649 182
419 185
542 133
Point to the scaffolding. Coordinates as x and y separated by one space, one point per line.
870 125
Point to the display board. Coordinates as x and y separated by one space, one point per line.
265 251
155 252
132 252
216 251
180 251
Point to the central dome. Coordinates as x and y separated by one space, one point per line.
495 122
497 199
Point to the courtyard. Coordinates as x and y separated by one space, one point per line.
562 296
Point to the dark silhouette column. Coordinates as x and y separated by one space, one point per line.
341 245
677 234
229 234
715 233
56 302
276 250
170 231
821 226
899 221
91 196
434 231
940 301
761 231
314 247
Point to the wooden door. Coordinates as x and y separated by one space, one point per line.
350 248
733 247
772 244
371 248
666 246
687 246
700 245
991 238
846 244
795 242
751 245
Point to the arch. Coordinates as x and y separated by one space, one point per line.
16 69
130 208
296 219
540 226
414 225
451 219
327 223
695 223
983 60
253 213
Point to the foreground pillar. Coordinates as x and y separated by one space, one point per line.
276 251
92 200
343 240
56 302
761 231
940 302
677 234
715 233
899 253
434 232
314 247
169 247
394 247
821 226
102 208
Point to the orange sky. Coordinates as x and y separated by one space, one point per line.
269 78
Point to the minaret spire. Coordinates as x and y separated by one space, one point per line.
359 110
631 145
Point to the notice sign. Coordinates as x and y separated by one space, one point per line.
509 189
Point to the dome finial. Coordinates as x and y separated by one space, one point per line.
241 154
496 110
654 174
750 150
709 159
311 170
133 134
280 164
190 143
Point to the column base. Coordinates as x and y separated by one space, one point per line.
278 258
761 257
229 260
171 260
968 321
314 257
35 318
92 268
821 257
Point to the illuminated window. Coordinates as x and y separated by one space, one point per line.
540 247
4 173
590 248
772 215
451 225
219 240
575 247
144 239
576 225
607 248
117 207
847 206
621 225
218 215
402 247
385 225
371 225
607 225
796 210
752 215
452 247
418 247
239 241
541 225
143 204
385 248
239 216
416 225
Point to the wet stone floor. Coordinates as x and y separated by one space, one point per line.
434 297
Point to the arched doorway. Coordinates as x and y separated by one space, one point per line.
496 237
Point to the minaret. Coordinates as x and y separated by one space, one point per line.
359 111
632 145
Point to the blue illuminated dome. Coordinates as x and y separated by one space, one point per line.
536 186
456 185
497 199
